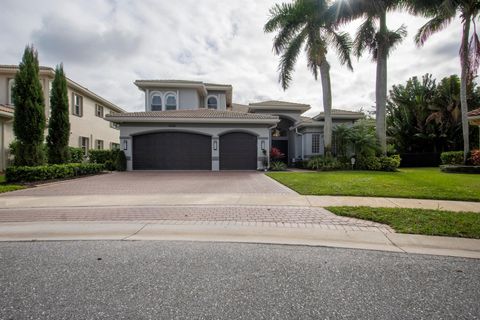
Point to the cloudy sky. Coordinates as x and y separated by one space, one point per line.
105 45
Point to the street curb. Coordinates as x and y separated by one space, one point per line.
149 231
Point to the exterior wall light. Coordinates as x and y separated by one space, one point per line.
263 145
215 145
125 145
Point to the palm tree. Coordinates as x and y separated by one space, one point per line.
374 36
305 23
441 14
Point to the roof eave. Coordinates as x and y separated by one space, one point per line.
188 120
281 108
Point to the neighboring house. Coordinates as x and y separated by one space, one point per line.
191 125
88 129
474 119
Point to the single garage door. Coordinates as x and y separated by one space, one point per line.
238 151
172 151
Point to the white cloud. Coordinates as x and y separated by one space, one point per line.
107 44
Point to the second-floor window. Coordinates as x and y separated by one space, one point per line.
77 105
156 103
170 101
212 103
99 111
316 143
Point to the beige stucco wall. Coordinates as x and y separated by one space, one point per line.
89 125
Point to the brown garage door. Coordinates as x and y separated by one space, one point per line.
172 151
238 151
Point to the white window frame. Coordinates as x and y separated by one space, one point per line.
166 96
84 143
316 144
74 105
216 99
11 83
100 108
156 94
99 145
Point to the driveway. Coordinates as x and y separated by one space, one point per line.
161 182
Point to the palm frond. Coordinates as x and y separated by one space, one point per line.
289 58
316 49
280 14
394 38
434 25
343 45
365 37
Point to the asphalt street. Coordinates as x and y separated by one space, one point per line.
201 280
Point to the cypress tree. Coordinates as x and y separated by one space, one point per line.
29 115
59 123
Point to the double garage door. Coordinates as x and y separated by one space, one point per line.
189 151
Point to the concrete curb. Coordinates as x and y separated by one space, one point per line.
146 231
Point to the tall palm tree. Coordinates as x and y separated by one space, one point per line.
304 23
374 36
441 15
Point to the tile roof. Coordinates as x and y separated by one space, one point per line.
240 107
278 103
15 67
182 82
474 113
194 114
340 112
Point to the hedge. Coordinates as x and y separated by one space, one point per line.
106 157
460 169
76 155
49 172
452 157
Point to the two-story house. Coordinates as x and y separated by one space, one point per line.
191 125
88 128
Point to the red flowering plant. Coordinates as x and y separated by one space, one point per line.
276 154
475 157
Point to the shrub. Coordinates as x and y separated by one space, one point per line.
102 156
76 155
323 163
276 154
390 163
121 161
49 172
278 166
368 163
460 169
452 157
475 157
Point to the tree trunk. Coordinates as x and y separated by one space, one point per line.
463 86
381 85
327 106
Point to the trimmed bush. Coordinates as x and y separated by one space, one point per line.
390 163
322 163
49 172
460 169
278 166
368 163
452 157
105 157
76 155
121 161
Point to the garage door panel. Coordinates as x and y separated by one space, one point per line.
172 151
238 151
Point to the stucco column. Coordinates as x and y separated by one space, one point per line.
215 153
126 144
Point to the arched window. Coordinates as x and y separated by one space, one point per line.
170 101
156 103
212 102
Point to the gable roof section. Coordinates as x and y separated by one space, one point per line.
278 105
50 73
193 116
341 114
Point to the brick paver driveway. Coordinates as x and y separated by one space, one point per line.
161 182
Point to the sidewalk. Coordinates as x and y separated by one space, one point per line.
56 231
239 199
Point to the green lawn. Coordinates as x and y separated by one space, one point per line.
418 221
424 183
4 187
